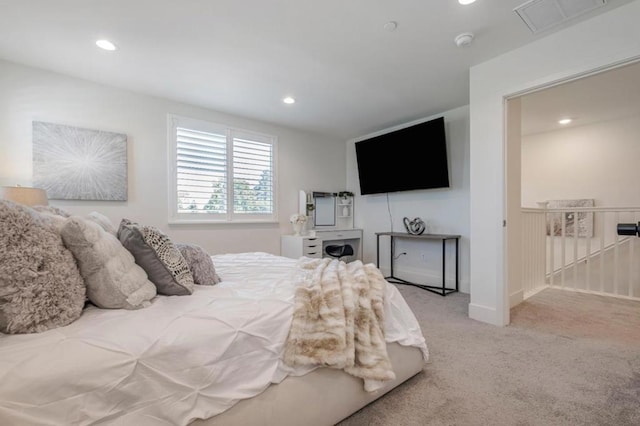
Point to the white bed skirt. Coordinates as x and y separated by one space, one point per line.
323 397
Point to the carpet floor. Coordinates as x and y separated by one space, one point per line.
566 359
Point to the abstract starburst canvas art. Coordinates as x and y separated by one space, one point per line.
73 163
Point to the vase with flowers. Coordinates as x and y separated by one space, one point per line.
297 221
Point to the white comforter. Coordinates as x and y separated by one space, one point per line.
183 358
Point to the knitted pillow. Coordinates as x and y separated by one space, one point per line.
200 264
40 284
158 256
113 279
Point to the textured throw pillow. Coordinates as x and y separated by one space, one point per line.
104 222
40 284
52 210
53 215
113 279
200 264
158 256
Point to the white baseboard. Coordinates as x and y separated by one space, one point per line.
533 292
425 276
516 298
484 314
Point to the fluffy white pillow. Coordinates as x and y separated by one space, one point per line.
57 211
112 277
104 222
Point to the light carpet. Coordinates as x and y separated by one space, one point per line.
566 359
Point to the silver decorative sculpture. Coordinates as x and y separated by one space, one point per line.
414 226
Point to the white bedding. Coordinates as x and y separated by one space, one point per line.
183 358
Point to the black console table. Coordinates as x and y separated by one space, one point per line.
441 290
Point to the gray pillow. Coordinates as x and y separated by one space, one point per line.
111 275
158 256
40 284
200 264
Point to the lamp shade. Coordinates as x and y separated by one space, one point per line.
24 195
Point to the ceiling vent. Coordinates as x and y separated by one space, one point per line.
540 15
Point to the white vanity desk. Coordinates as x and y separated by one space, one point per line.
296 246
331 216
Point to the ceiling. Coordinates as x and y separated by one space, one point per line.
609 95
349 75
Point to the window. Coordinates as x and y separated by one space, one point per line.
220 174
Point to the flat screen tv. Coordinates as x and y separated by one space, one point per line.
407 159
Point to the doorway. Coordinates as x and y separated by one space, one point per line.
591 155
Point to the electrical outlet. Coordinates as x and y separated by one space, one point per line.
423 256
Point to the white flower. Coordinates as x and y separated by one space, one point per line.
298 219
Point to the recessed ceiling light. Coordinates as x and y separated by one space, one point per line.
289 100
564 121
466 2
106 45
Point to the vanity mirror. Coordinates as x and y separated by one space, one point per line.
327 210
324 213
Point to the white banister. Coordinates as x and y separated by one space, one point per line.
631 262
534 255
615 258
601 251
584 257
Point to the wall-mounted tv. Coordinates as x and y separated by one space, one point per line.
407 159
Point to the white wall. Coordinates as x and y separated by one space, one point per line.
26 94
445 210
587 46
600 161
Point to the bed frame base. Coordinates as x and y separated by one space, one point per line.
323 397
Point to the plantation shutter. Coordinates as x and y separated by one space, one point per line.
220 174
202 175
252 175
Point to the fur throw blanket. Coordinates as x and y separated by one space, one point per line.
338 319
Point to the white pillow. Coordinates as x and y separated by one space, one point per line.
104 222
112 277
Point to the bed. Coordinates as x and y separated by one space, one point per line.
214 357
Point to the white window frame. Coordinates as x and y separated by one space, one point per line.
175 121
